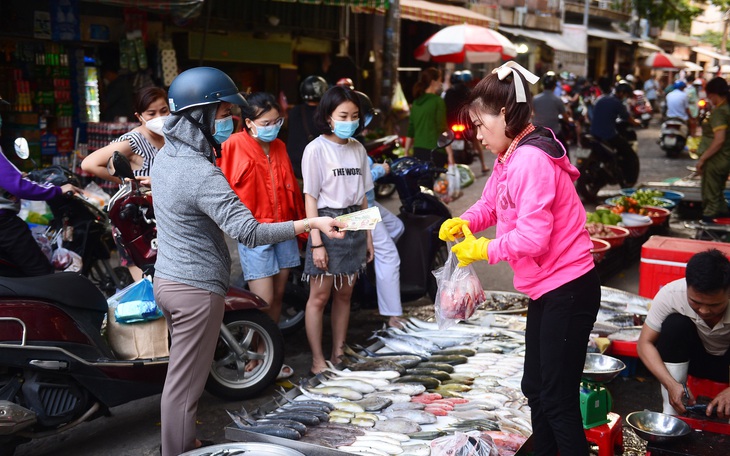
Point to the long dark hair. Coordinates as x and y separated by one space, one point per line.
492 94
145 97
330 101
425 79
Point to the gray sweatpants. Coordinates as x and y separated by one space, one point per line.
194 318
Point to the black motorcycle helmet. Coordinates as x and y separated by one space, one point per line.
367 111
312 88
549 80
623 88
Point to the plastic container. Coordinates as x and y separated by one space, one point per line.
658 219
675 197
664 259
600 247
616 241
637 224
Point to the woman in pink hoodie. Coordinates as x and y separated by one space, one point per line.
531 199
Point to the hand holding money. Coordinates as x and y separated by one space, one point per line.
360 220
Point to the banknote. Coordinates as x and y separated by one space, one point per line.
360 220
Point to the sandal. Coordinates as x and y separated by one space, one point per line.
396 322
285 372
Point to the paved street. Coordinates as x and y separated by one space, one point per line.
133 429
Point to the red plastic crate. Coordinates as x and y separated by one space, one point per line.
664 259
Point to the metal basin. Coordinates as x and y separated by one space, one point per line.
601 368
657 427
253 448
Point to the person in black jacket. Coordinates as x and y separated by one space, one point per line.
301 120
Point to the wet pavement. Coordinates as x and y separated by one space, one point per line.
133 429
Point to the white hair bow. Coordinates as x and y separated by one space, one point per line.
513 67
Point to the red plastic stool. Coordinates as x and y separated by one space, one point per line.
704 387
607 436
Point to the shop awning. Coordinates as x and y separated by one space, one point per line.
691 66
557 41
613 35
710 53
186 9
436 13
650 46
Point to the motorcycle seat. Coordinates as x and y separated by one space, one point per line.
67 288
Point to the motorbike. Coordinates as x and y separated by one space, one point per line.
641 108
602 165
420 249
673 136
83 227
56 369
383 150
462 145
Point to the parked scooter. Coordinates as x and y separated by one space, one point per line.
641 108
82 226
605 166
673 136
420 249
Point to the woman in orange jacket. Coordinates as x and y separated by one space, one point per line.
258 168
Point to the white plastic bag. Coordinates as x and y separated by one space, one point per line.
459 292
454 179
66 260
472 443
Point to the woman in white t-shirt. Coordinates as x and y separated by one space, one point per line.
336 176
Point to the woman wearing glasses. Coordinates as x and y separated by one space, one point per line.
258 168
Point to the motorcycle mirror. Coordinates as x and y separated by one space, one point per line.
21 148
445 139
118 166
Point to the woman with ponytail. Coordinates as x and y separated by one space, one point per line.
428 118
714 151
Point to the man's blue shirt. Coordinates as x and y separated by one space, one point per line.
605 113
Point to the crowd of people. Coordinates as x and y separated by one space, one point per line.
210 176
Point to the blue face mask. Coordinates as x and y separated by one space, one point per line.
267 133
345 129
223 129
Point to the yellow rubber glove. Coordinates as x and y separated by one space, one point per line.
470 249
452 228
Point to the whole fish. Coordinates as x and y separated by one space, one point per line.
449 359
322 416
417 416
464 351
391 435
276 431
443 367
349 406
426 344
452 387
405 406
352 383
377 364
374 402
407 388
437 374
337 391
383 374
406 361
380 445
363 422
399 425
296 425
322 397
403 346
428 382
362 450
303 417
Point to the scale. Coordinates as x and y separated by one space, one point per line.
595 400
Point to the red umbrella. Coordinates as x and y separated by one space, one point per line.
662 60
471 43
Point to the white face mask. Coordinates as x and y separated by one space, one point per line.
155 124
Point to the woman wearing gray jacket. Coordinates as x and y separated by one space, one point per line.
194 205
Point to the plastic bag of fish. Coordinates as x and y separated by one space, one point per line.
471 443
459 292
